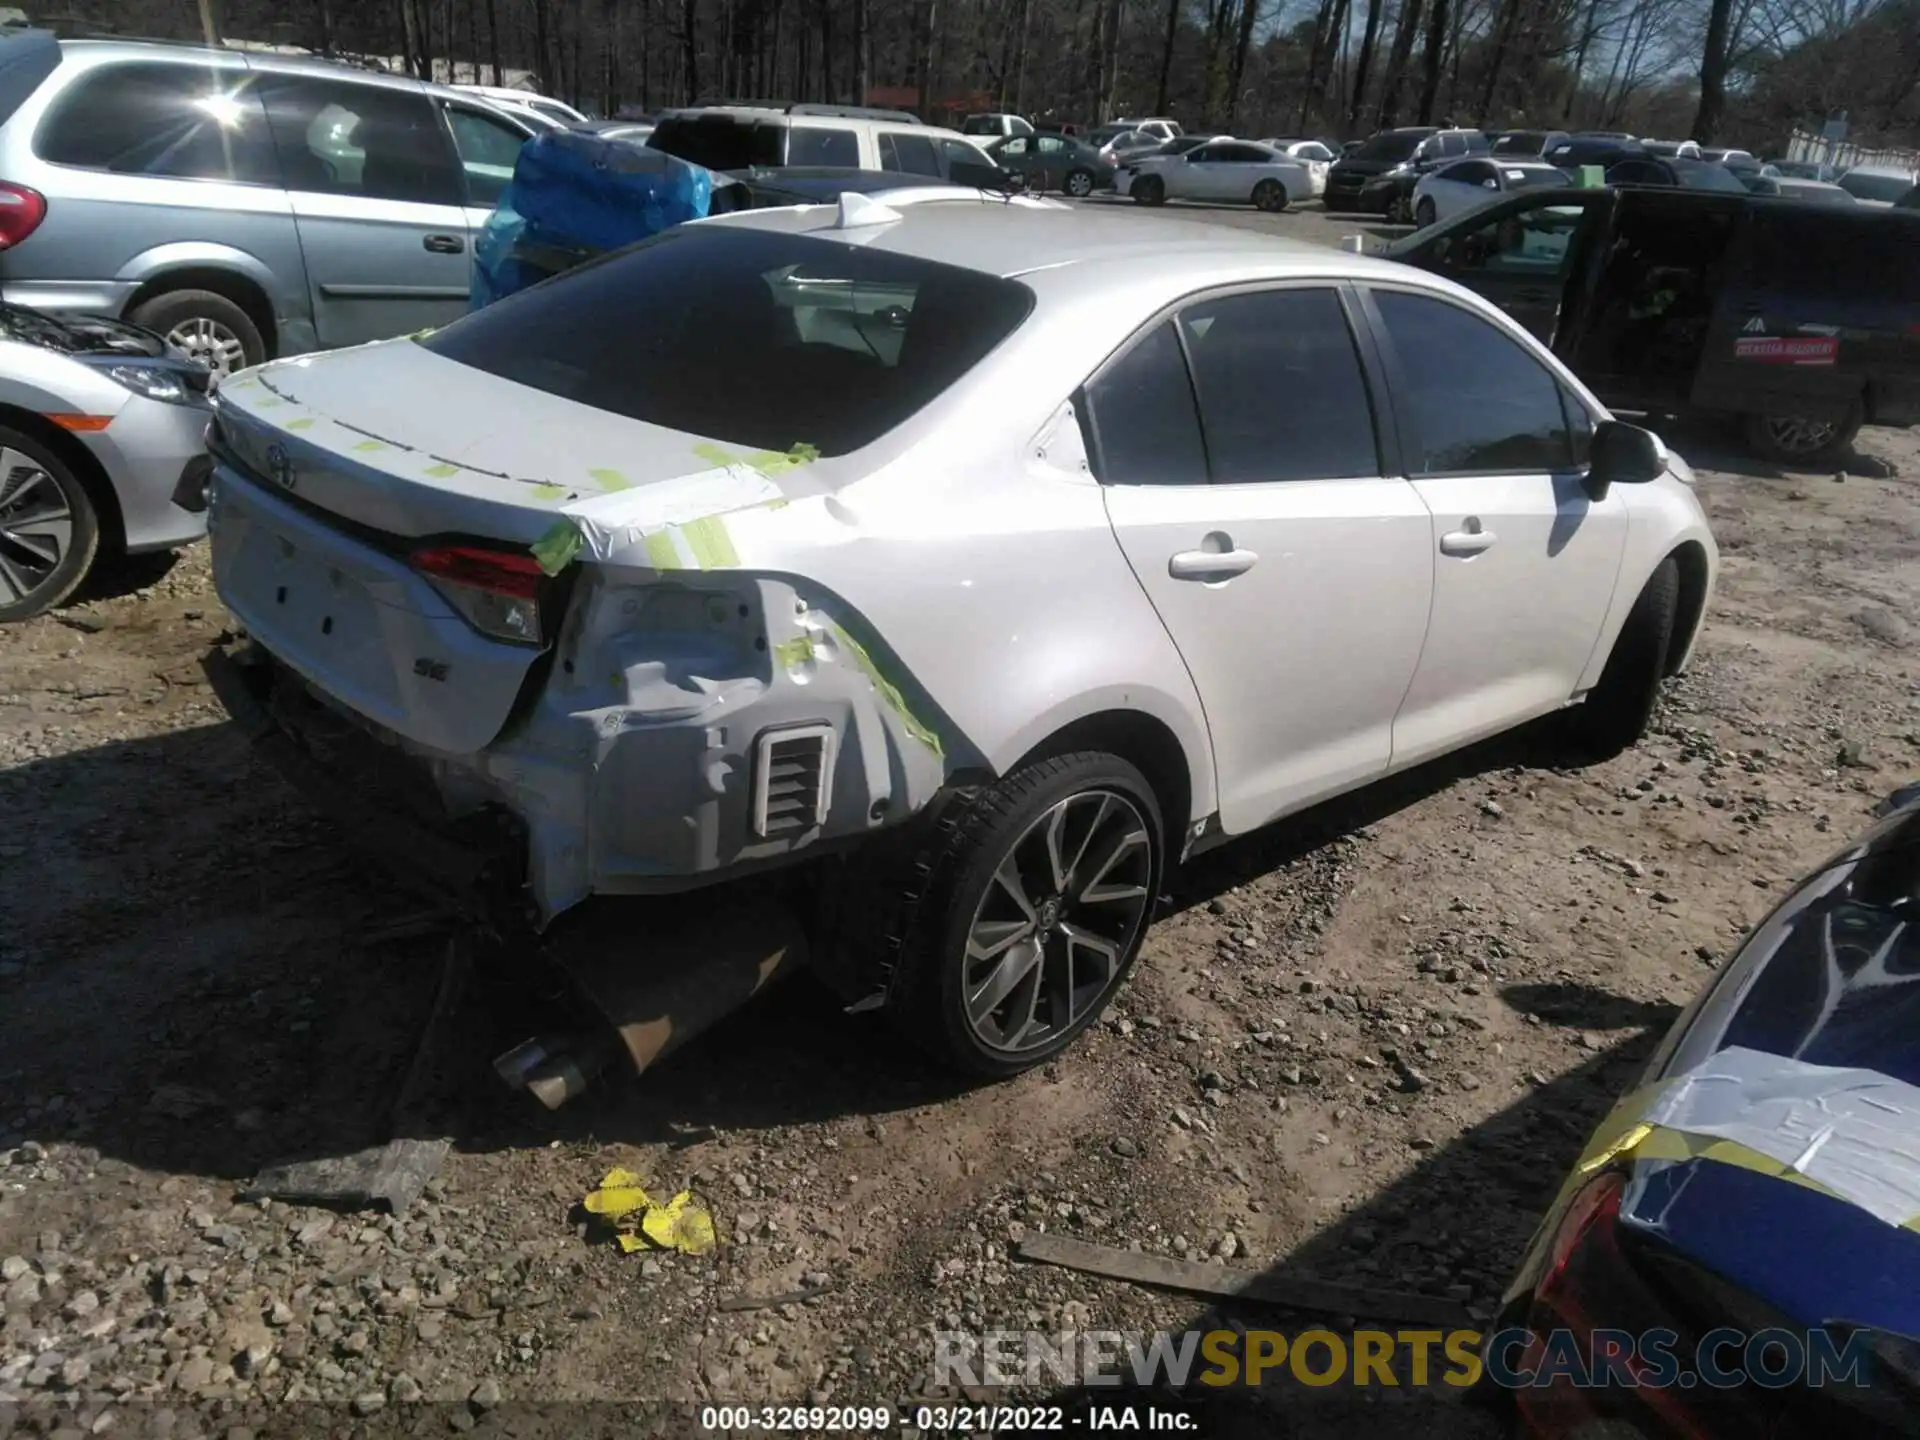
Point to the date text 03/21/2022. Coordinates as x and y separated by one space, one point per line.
943 1419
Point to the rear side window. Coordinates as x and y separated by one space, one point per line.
821 145
1864 260
744 335
1143 425
720 142
1281 393
361 140
186 122
913 154
1480 402
488 150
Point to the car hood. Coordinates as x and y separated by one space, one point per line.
1364 168
396 438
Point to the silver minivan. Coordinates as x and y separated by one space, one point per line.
245 205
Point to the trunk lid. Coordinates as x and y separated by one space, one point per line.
475 454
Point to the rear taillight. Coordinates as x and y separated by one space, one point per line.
21 211
497 591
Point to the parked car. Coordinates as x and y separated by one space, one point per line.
1053 162
1805 170
761 566
527 104
1466 183
242 204
1129 145
996 125
102 451
1316 155
1528 144
1751 1184
1878 184
635 132
1909 201
1158 125
1801 321
1240 171
1398 153
1813 192
1605 151
742 137
1687 174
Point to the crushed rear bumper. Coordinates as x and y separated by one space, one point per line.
379 798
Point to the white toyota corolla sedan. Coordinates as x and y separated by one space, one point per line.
979 563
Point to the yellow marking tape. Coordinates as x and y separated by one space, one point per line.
888 691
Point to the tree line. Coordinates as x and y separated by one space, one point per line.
1731 71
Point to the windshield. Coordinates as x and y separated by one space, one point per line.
1875 187
746 335
719 142
1703 175
1521 142
1389 145
1531 177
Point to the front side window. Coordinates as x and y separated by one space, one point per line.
361 140
912 154
823 145
1282 395
1480 402
1140 422
178 121
488 150
749 336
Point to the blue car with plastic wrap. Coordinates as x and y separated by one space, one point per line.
1737 1251
576 195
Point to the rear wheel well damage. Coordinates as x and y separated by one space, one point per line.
242 290
86 469
1691 560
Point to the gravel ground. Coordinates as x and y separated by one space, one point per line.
1362 1046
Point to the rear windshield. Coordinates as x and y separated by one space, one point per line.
1393 145
1875 187
1528 177
720 142
751 336
1704 175
1520 142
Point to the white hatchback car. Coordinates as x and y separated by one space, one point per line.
1242 171
994 558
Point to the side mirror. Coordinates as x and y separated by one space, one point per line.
1623 455
1489 184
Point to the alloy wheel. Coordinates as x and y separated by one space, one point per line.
211 343
36 527
1050 939
1795 435
1079 184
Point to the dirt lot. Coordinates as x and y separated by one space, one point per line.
1361 1047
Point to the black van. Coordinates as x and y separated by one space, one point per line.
1801 320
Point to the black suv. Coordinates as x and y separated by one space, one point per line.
1801 320
1398 153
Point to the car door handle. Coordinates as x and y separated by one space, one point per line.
1211 564
444 244
1466 542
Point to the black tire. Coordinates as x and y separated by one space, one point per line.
38 489
1400 210
175 311
1615 713
1079 184
1796 441
1148 190
1270 196
1424 213
939 898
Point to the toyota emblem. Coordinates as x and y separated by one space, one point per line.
280 466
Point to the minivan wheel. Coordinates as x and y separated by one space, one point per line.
209 327
49 533
1148 190
1424 213
1799 440
1027 911
1079 184
1615 713
1270 196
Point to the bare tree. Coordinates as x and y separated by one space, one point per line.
1363 64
